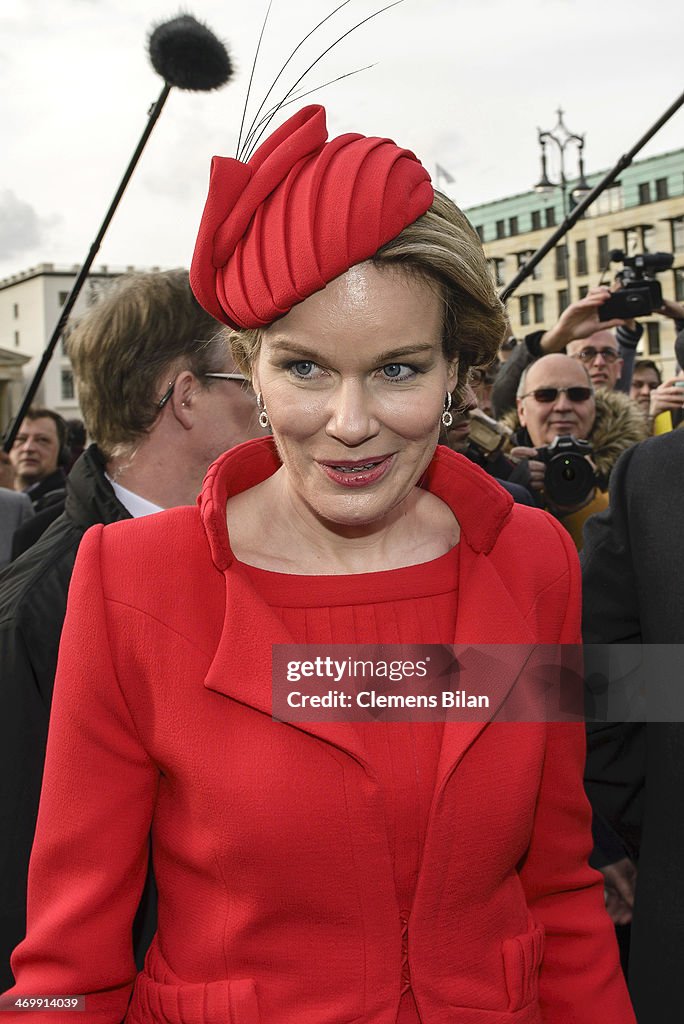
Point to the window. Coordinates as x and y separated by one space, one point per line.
501 229
653 334
536 220
645 192
561 261
62 297
648 237
609 202
16 339
677 234
563 300
603 252
583 290
661 188
550 216
480 231
67 385
522 258
538 309
524 301
15 310
679 283
582 257
632 240
497 266
513 225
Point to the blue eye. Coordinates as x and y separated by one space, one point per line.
398 371
302 368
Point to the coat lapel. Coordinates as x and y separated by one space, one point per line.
242 665
500 643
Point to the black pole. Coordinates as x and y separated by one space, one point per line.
568 222
153 115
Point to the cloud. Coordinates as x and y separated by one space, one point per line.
21 228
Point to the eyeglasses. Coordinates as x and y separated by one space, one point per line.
226 376
588 355
219 376
547 395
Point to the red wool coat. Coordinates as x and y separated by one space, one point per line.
276 893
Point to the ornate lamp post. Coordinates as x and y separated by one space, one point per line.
562 138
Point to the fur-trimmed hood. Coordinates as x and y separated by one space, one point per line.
618 425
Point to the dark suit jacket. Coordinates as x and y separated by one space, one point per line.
633 562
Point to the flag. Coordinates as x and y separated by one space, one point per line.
443 173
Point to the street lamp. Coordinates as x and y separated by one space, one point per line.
562 138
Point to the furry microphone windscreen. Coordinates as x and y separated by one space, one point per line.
188 55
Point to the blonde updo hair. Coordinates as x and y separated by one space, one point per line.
442 248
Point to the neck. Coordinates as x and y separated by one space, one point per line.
291 537
158 474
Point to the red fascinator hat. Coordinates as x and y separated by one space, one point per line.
298 214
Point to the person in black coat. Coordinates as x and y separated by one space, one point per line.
633 566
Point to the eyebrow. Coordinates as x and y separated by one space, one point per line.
281 345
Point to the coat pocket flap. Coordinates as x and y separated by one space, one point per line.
522 957
214 1002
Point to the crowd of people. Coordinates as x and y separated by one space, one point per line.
191 859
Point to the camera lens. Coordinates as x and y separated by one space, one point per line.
568 472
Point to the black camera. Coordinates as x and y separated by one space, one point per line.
569 478
640 293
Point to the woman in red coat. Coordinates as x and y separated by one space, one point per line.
321 872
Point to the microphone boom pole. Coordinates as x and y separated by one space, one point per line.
573 217
189 56
83 273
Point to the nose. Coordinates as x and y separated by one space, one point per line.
562 401
600 359
352 418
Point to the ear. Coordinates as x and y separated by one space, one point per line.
452 374
184 399
520 403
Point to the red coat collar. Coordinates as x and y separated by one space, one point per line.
479 504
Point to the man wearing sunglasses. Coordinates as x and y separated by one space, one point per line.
556 398
161 399
580 333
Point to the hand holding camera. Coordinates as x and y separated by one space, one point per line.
580 319
561 471
667 397
639 293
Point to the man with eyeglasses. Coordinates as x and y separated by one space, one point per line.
556 398
600 354
161 400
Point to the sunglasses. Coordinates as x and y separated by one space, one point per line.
588 355
547 395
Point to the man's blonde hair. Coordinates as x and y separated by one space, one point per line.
145 327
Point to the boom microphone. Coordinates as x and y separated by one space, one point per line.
189 56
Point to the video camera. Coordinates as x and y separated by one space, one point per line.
640 293
569 478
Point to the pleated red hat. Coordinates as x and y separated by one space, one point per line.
298 214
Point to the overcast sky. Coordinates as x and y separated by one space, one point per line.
461 82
